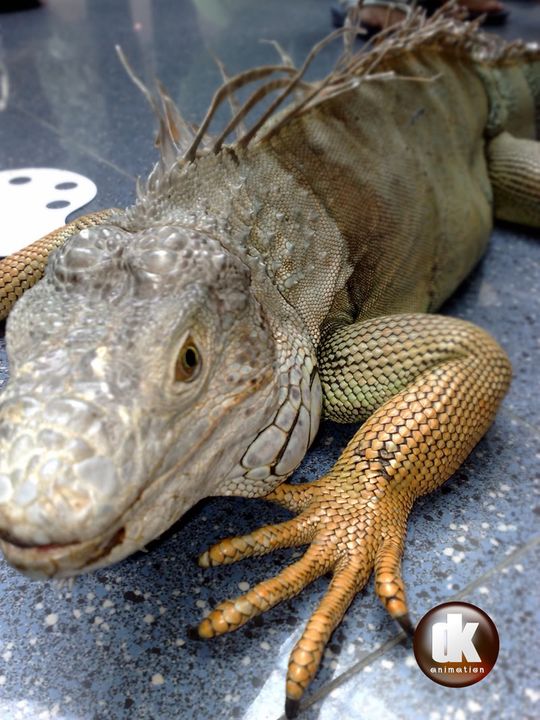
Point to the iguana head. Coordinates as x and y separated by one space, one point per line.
142 367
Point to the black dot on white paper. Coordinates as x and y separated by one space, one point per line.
65 186
55 204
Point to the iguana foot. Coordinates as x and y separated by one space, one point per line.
352 529
433 385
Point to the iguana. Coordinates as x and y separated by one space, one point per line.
286 273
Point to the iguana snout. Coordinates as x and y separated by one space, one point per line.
70 464
63 470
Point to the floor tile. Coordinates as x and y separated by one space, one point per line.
503 296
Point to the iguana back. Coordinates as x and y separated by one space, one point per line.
403 176
399 164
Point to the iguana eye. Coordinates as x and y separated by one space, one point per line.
188 362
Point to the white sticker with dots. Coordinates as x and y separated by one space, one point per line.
36 201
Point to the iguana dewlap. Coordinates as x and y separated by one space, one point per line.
288 273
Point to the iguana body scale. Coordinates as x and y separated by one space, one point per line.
281 275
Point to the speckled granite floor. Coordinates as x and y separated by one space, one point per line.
114 644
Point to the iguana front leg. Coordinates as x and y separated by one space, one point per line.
433 385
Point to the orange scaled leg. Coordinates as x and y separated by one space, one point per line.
437 394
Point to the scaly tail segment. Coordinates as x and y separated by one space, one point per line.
436 383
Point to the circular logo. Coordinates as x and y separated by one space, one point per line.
456 644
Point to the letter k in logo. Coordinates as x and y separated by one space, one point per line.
451 640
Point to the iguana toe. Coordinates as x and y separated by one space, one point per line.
298 531
232 614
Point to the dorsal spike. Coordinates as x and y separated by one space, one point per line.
284 56
170 122
254 98
180 130
233 102
223 92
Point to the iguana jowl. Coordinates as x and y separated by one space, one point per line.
288 272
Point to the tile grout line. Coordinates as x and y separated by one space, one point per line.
74 143
374 654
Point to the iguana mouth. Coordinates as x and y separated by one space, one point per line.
59 560
8 539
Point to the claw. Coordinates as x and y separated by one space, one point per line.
389 584
406 624
193 633
291 708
